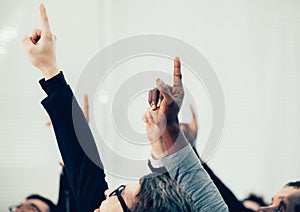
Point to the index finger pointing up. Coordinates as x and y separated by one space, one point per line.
177 72
44 20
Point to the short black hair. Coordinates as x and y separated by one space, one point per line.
295 184
255 198
52 207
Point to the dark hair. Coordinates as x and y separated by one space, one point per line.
51 205
295 184
294 201
255 198
160 193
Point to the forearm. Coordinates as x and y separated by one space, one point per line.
86 179
231 200
66 200
173 138
185 168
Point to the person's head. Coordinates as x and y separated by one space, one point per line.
291 203
34 203
281 200
253 202
154 192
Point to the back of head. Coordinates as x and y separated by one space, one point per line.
293 202
255 198
160 193
295 184
48 202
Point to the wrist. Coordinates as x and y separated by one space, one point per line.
173 138
171 132
171 113
158 149
50 72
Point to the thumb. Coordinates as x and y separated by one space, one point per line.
27 42
164 90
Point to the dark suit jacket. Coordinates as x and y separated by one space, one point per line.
86 177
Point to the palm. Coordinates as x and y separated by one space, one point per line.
162 119
155 124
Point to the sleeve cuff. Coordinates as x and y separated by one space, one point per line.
181 157
156 163
51 85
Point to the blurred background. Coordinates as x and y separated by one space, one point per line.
253 46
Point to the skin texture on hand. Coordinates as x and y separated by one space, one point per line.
155 125
40 47
168 99
162 124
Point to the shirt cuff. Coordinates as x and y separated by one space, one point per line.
180 158
156 163
51 86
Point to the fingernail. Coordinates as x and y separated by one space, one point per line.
158 103
177 61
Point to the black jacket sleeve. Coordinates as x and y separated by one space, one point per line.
232 202
66 202
86 177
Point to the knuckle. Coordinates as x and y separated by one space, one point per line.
48 36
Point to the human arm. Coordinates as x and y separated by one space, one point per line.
66 200
40 47
184 166
190 132
170 145
86 177
233 203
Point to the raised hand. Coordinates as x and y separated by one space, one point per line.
40 47
166 101
155 126
190 130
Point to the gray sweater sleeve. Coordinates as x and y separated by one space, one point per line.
186 169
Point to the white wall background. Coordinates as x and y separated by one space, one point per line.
252 45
